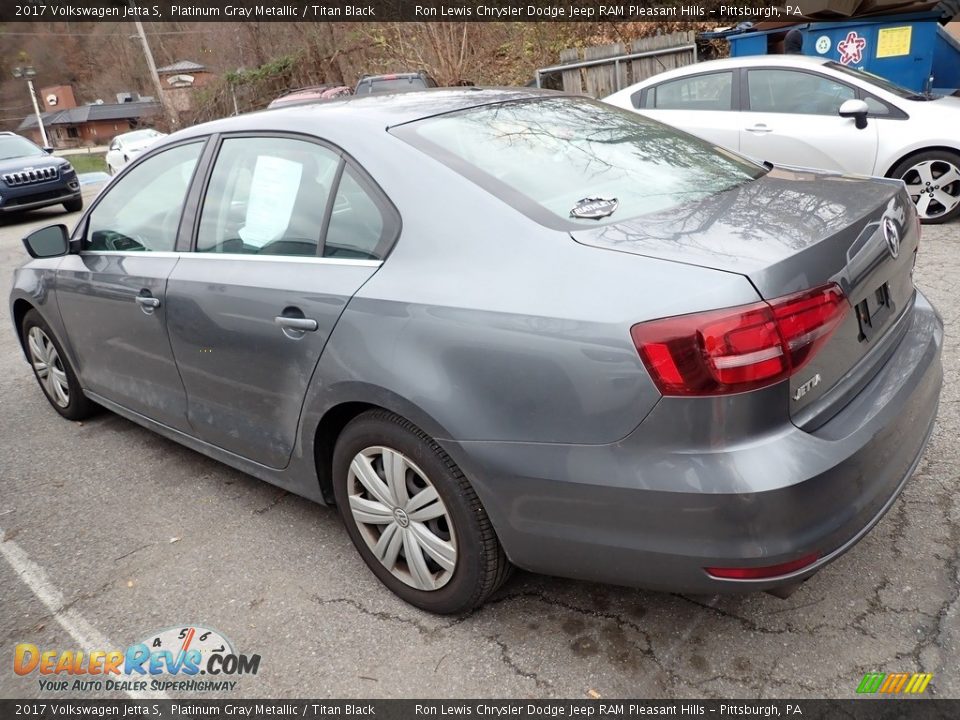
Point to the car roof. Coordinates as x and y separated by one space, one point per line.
376 111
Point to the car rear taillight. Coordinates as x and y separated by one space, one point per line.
740 348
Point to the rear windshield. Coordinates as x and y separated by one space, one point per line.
393 85
14 146
880 82
556 158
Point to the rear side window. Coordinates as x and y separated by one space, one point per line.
713 91
360 225
789 91
267 196
272 196
551 158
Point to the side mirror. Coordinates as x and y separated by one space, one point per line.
48 149
856 109
48 242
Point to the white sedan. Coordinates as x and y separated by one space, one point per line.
127 146
812 112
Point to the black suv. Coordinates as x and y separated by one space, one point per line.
32 178
398 82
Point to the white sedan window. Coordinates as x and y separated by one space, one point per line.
803 93
712 91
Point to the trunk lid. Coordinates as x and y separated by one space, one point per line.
793 230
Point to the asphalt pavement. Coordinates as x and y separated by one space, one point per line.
109 533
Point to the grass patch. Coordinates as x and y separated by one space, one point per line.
92 162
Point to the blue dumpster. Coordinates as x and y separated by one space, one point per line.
912 49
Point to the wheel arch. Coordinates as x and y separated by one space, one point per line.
336 417
920 151
18 311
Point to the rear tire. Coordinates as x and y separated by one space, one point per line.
52 369
933 181
73 205
403 499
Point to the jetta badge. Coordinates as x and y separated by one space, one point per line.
806 387
892 235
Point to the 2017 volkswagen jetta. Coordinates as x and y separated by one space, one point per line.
507 327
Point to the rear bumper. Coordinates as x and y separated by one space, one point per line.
654 509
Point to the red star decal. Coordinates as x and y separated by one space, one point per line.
851 49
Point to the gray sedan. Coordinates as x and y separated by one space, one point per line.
504 328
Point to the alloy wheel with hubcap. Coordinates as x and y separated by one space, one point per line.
52 368
933 183
402 518
48 366
413 515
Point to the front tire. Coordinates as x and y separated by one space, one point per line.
52 369
72 206
933 182
413 516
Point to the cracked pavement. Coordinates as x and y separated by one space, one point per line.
96 504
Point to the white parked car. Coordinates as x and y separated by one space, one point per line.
815 113
127 146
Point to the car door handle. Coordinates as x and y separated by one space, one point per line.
296 323
147 301
759 128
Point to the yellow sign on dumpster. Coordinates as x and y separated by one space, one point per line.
894 41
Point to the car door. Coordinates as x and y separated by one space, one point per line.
791 118
112 293
251 308
701 104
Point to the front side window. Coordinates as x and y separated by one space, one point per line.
713 91
141 211
267 196
553 158
803 93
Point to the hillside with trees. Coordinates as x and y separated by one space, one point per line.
255 61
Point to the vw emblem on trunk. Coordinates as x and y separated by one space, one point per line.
892 235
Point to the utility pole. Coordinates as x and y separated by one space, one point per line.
28 74
158 88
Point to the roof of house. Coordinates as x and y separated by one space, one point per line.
180 66
89 113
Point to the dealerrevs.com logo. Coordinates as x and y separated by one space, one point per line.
187 658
